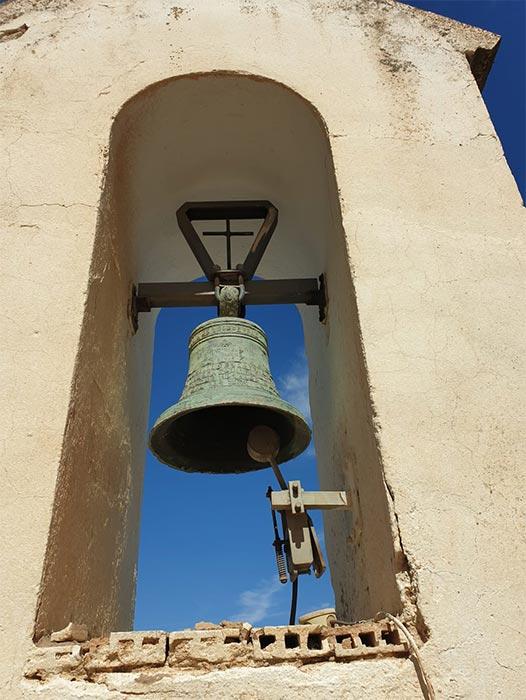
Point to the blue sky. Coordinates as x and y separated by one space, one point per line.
205 543
206 540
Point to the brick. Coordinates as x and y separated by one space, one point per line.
127 650
244 628
53 660
274 644
217 648
366 640
207 648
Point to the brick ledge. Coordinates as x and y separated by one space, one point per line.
215 648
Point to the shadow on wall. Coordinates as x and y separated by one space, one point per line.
199 137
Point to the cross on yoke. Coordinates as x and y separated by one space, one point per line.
149 295
228 234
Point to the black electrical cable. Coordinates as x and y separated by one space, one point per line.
293 602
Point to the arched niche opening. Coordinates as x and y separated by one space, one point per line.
202 137
205 539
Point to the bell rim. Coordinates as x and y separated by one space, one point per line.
302 430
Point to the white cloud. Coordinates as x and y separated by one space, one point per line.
294 385
256 604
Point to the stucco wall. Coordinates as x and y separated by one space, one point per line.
433 224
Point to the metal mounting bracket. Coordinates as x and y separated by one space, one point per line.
302 546
236 210
295 498
310 291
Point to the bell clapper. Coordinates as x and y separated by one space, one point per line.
263 446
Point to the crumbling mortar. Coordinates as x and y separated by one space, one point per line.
95 660
411 613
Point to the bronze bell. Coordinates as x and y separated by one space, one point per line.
228 391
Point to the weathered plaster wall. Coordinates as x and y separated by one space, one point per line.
433 224
331 681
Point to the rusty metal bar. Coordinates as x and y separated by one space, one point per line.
184 218
152 295
260 243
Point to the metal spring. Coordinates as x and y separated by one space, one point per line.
282 569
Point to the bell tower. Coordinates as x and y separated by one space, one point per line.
358 132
